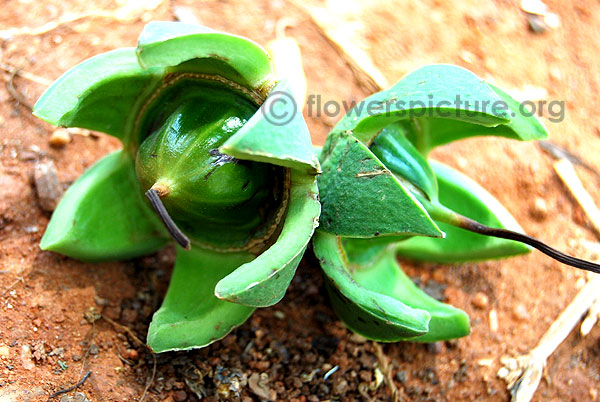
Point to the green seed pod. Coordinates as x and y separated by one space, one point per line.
219 201
199 115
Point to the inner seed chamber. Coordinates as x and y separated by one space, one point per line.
218 201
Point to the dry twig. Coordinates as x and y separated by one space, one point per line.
363 68
130 11
523 373
397 395
126 329
25 74
135 338
150 381
15 93
567 173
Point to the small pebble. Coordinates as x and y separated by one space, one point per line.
78 397
28 156
47 185
555 73
539 209
259 385
340 386
27 357
536 7
401 376
94 349
480 300
434 348
536 23
59 138
132 354
552 20
31 229
180 396
520 313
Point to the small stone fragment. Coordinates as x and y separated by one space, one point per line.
340 386
536 24
552 20
27 357
59 138
401 376
47 185
259 385
480 300
132 354
27 156
180 396
94 349
78 397
31 229
520 313
539 209
434 348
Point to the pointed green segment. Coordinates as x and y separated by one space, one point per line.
263 282
191 316
102 93
276 134
438 104
102 216
370 313
362 198
169 44
430 133
384 275
428 92
463 195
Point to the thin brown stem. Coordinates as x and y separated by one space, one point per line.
476 227
166 219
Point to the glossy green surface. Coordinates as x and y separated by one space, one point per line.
463 195
399 155
103 93
277 133
191 316
380 147
383 275
361 198
189 103
368 312
438 104
263 281
214 198
169 44
90 225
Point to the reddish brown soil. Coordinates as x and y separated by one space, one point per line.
46 342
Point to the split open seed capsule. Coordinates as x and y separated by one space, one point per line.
379 193
203 140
